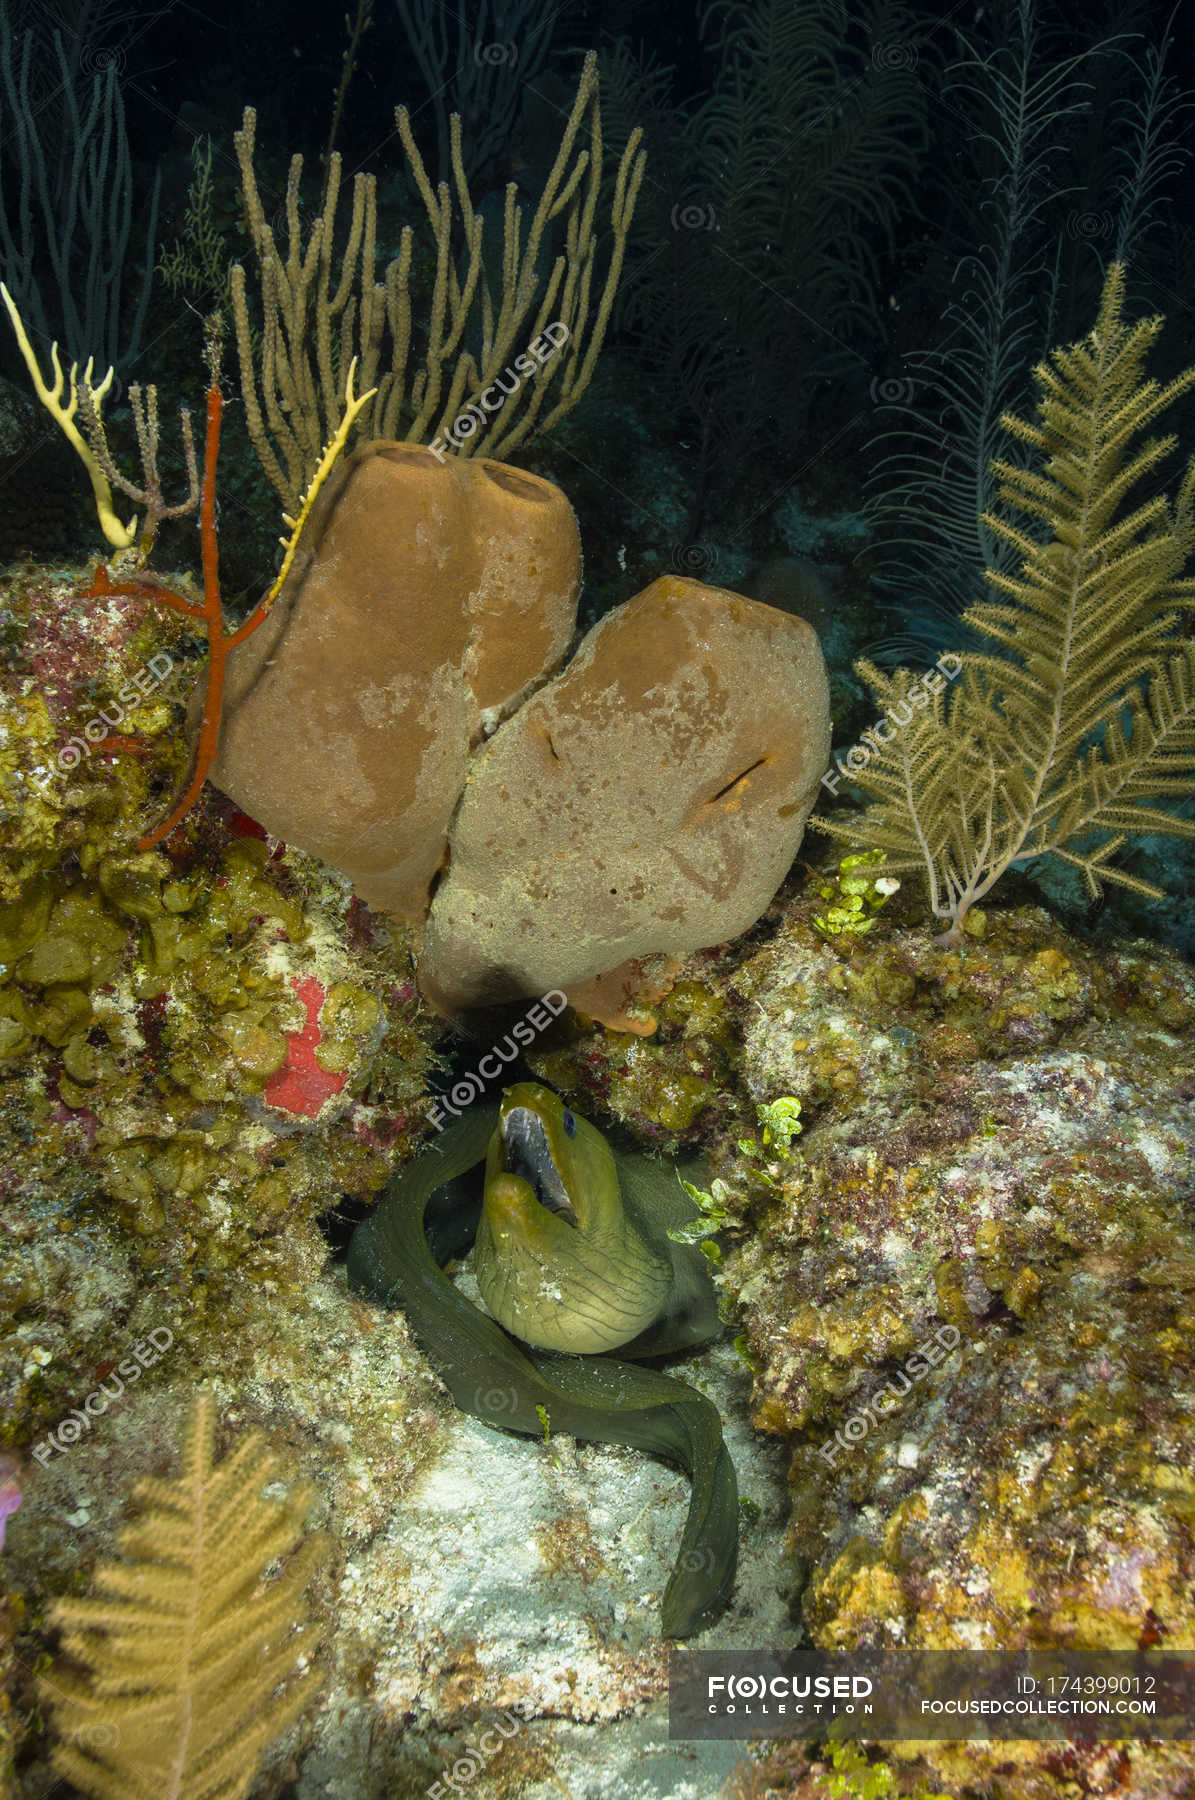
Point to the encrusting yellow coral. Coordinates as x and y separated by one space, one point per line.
179 1026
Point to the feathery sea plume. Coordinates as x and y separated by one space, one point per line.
192 1649
1062 744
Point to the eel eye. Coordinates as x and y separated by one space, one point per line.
570 1124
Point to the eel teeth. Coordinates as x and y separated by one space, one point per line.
526 1154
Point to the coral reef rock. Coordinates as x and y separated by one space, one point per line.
995 1170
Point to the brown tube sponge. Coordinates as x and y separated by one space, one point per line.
650 798
427 598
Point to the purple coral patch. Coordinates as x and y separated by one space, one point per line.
10 1492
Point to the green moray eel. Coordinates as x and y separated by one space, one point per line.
572 1252
570 1232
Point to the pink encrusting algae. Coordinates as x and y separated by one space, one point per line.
301 1085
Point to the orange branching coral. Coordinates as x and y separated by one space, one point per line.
79 396
210 609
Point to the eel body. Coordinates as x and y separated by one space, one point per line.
505 1383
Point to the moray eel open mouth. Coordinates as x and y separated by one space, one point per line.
560 1260
526 1154
573 1245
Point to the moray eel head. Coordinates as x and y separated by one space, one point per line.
558 1261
